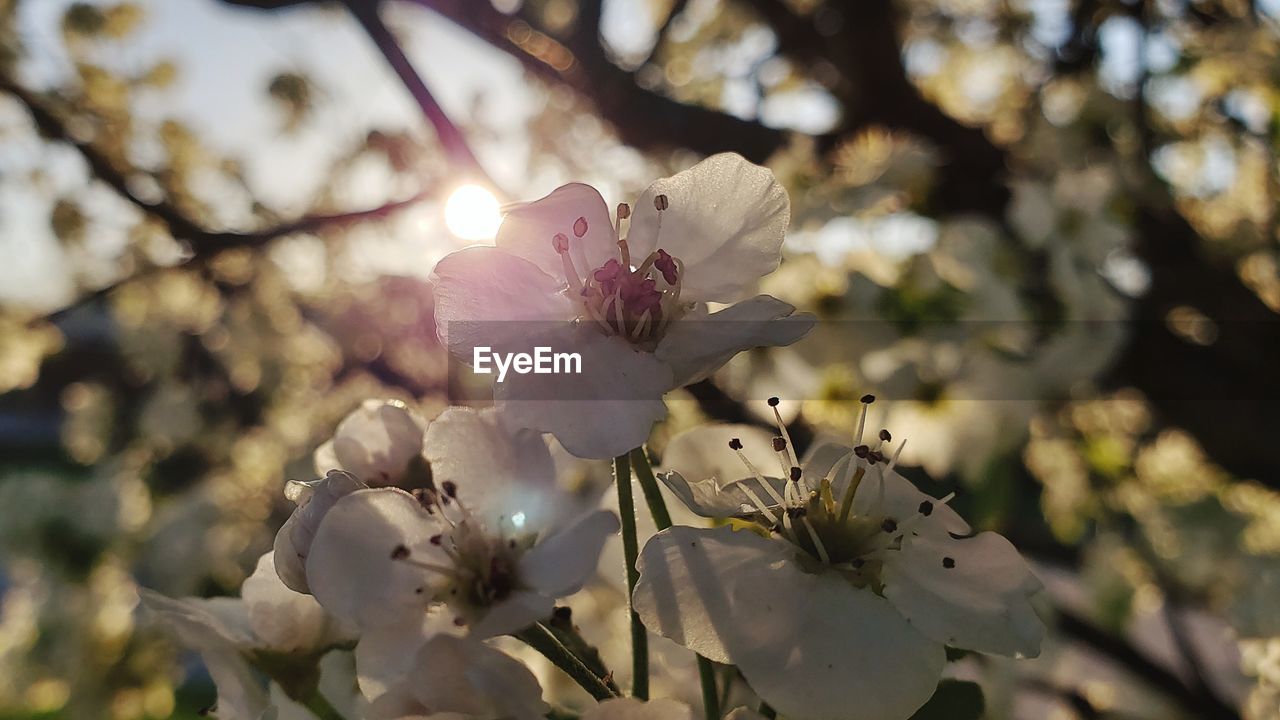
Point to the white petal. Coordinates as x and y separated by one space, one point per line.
982 603
518 611
351 569
603 412
240 693
462 675
725 220
385 654
488 297
499 473
710 478
632 709
293 541
889 494
375 442
810 644
557 566
528 230
285 621
743 713
697 345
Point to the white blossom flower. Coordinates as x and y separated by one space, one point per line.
489 548
231 634
634 309
841 605
378 442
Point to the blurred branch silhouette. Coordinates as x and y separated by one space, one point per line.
451 138
202 242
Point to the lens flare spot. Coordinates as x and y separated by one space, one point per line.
472 213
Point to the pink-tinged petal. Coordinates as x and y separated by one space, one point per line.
970 593
810 643
293 541
529 229
486 297
606 410
632 709
558 566
354 569
506 477
725 220
375 442
699 344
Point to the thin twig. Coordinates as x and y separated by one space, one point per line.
451 138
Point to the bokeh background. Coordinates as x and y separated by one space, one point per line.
1044 232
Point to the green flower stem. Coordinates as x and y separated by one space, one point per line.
653 496
662 519
538 637
630 551
710 697
320 707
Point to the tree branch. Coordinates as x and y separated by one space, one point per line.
451 138
202 242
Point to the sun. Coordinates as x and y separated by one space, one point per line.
472 213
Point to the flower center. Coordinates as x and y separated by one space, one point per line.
633 302
818 516
467 567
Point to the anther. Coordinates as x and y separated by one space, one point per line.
795 474
862 451
889 525
779 444
735 444
450 488
868 399
400 553
580 227
773 402
948 563
437 539
660 203
561 243
624 211
926 508
885 436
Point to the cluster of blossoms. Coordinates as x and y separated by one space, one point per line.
833 585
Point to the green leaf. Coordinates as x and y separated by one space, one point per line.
953 700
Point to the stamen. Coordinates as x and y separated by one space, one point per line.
846 503
782 430
624 212
896 454
736 445
817 543
580 227
862 418
401 554
561 243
